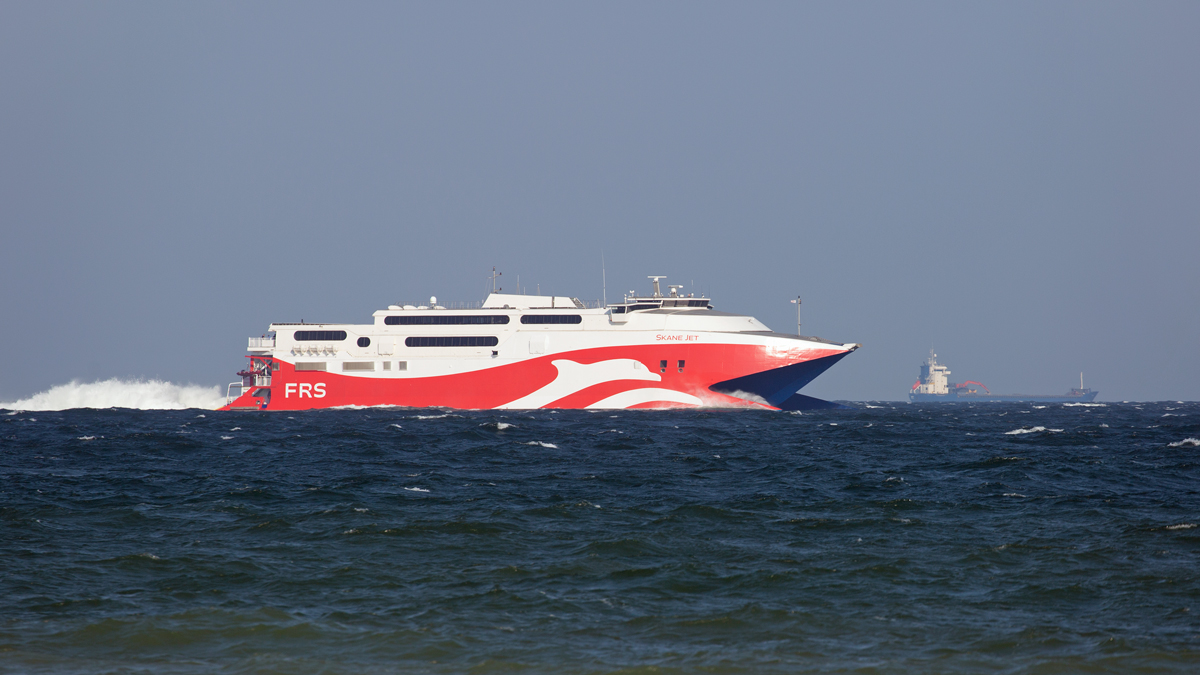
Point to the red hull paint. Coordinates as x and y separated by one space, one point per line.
706 364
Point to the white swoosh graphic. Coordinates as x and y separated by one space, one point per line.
645 395
574 376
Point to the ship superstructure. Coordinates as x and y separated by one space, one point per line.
934 385
534 351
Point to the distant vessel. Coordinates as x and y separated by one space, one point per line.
933 385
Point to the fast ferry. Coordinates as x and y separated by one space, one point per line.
533 351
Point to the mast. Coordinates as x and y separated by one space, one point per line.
603 280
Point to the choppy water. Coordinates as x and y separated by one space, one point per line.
898 538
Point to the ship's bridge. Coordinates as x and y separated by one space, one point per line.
673 300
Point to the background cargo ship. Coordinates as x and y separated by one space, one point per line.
933 385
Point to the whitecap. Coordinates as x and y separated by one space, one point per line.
236 429
1039 407
1013 494
396 425
1031 430
227 438
86 438
432 417
416 489
1181 526
544 445
1187 442
1087 405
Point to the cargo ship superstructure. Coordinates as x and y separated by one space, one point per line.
933 385
532 351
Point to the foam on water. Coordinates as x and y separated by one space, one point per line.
117 393
1187 442
1031 430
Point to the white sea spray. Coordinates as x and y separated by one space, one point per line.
117 393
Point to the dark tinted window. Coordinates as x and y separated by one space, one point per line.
310 335
551 318
451 341
445 320
364 342
635 308
697 303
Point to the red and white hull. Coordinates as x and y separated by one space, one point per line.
526 352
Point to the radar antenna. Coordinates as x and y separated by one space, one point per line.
657 292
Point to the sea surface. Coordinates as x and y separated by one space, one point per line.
891 538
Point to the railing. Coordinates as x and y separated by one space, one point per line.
262 380
262 343
587 304
234 390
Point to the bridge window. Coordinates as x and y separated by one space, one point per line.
451 341
319 335
551 318
446 320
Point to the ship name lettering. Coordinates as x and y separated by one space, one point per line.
676 338
304 390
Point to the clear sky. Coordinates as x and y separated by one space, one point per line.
1016 184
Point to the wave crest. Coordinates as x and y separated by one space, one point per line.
117 393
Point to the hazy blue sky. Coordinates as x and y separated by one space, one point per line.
1016 183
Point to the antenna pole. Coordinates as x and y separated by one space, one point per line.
603 279
797 301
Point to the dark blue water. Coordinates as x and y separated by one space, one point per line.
886 539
